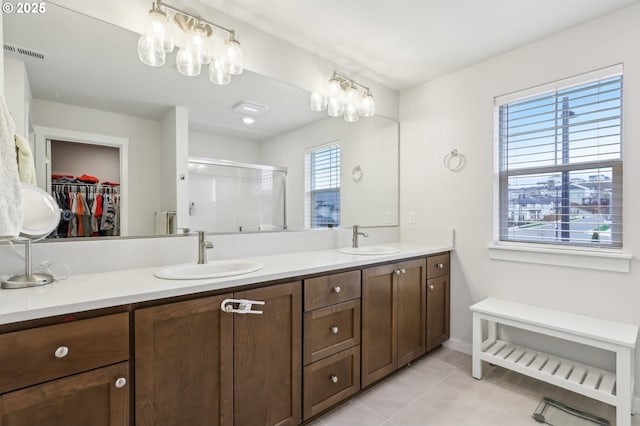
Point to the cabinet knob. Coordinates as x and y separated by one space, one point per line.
120 382
333 378
440 266
430 286
334 329
404 271
397 271
61 352
337 289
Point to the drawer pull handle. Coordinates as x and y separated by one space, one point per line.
337 289
430 286
333 378
120 382
61 352
440 266
334 329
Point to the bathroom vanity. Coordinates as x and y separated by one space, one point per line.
124 347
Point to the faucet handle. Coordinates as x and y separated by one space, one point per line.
208 245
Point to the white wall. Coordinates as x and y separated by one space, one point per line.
18 94
371 143
223 148
145 191
456 111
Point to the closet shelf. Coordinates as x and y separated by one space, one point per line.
584 379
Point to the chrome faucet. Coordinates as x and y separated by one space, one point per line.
203 244
356 233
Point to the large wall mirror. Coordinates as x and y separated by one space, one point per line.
75 83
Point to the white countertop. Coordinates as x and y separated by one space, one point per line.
100 290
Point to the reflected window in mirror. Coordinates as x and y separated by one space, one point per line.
322 194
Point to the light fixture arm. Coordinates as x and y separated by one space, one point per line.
160 3
346 82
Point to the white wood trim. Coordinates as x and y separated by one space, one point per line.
43 163
603 260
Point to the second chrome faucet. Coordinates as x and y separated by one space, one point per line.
203 245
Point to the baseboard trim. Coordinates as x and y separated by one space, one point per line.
458 345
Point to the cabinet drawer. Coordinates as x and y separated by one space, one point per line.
330 289
331 380
437 265
40 354
330 330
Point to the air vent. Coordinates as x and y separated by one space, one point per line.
23 51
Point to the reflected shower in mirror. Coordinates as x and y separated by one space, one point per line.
92 89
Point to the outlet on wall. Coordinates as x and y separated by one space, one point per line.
412 217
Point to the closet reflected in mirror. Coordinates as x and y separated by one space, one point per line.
84 179
93 89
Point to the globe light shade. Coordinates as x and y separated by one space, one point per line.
234 55
199 44
219 72
187 62
351 113
335 108
157 28
368 106
334 87
150 52
317 102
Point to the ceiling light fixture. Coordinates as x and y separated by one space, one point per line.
248 120
200 49
343 98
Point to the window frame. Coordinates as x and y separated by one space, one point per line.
311 194
502 173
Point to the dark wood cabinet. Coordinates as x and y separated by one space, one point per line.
198 365
412 302
438 303
332 334
184 364
393 317
267 353
95 398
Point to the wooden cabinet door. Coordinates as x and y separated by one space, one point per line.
412 302
268 358
438 290
184 364
379 326
85 399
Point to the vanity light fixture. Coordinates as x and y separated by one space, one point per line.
344 97
202 46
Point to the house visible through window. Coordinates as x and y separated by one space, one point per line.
560 163
322 170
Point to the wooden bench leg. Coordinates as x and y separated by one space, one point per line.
624 380
476 362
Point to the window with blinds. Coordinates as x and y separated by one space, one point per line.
322 172
560 164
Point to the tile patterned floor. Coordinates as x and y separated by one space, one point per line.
439 390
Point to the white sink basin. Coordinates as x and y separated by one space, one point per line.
216 269
370 250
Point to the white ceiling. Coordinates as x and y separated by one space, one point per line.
401 43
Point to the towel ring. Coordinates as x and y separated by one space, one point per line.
357 174
454 161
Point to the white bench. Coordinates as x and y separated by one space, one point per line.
611 387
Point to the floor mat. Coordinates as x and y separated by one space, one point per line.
556 413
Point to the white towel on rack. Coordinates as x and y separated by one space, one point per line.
10 190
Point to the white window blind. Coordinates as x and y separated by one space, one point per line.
323 186
560 165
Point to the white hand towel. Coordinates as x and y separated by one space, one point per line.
26 166
10 190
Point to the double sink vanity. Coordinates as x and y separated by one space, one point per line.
276 345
